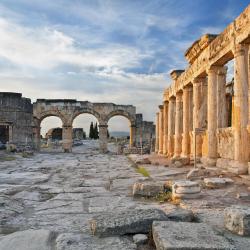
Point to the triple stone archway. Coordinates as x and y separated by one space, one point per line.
68 109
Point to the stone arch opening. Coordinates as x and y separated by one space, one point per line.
131 123
85 128
51 133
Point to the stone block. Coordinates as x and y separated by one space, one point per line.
181 214
217 182
27 240
187 236
150 189
143 161
130 221
237 220
140 239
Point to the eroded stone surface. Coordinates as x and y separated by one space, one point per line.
237 220
188 236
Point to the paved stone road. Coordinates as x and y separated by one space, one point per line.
61 192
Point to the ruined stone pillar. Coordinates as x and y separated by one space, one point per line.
157 133
171 126
161 129
165 128
186 122
221 98
37 137
200 110
212 113
240 105
178 125
67 138
103 138
132 135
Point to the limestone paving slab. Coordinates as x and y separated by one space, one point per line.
187 236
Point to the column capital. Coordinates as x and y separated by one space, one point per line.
222 70
239 50
199 80
103 125
161 107
187 88
179 96
213 69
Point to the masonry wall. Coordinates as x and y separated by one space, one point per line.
16 112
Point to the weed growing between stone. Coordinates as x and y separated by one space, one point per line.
143 171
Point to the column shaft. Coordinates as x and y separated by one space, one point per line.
132 135
103 138
240 105
178 125
67 138
161 129
212 113
157 133
165 127
171 126
186 122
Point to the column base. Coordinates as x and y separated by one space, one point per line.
208 161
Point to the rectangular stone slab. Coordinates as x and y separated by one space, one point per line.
129 221
170 235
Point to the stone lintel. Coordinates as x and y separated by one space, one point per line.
198 46
176 73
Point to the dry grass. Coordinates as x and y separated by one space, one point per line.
143 171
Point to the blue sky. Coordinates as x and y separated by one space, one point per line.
103 51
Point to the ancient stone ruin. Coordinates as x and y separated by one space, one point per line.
20 120
201 114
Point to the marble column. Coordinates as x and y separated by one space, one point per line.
132 135
200 110
161 130
212 112
67 138
186 122
103 137
221 98
165 127
157 133
178 125
240 104
171 126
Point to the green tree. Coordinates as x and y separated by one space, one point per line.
91 130
96 133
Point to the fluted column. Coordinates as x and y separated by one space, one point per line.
171 126
186 122
165 127
221 98
103 137
200 110
161 129
157 133
212 112
67 138
178 125
240 104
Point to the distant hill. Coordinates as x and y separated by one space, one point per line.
119 134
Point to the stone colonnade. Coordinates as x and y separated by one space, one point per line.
196 108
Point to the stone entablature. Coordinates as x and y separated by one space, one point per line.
218 52
200 105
